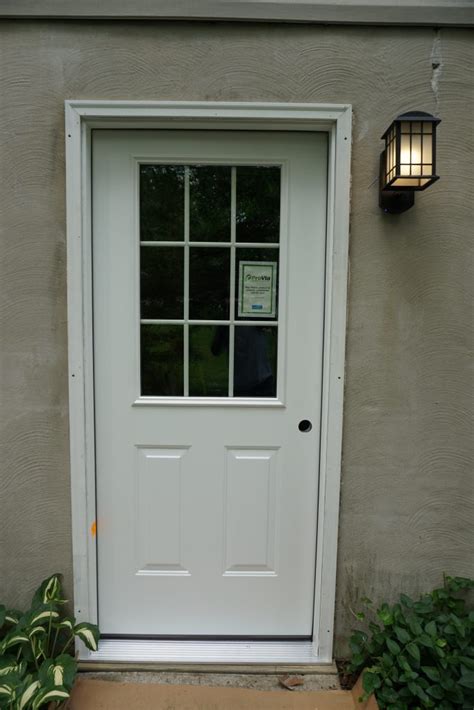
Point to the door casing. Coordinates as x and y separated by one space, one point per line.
82 117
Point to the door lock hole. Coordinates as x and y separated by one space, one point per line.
305 425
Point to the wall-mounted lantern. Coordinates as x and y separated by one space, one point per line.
408 162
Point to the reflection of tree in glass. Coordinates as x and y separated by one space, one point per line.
209 197
255 359
162 282
258 204
161 203
209 283
162 360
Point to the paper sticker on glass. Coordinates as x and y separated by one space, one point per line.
257 289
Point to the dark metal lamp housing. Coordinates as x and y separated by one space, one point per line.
408 162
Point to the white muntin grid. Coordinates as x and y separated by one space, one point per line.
232 245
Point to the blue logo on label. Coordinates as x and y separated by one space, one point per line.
257 306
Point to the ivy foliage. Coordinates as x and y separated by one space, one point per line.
36 668
419 653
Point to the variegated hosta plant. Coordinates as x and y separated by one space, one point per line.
36 668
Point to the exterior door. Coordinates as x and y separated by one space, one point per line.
208 281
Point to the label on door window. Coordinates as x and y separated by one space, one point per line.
257 289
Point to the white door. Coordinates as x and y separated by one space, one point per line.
208 281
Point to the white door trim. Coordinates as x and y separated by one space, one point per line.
81 118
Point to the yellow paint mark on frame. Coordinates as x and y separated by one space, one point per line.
94 528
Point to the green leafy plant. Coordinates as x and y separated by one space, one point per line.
419 653
36 668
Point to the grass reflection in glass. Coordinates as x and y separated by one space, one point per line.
162 360
208 360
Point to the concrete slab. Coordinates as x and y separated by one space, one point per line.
255 681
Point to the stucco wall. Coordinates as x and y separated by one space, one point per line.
406 506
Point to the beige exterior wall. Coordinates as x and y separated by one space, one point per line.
406 505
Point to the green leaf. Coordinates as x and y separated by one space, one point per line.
50 590
66 624
89 634
28 694
385 616
406 601
467 679
431 629
446 682
425 640
358 660
431 672
8 664
38 645
375 628
449 629
12 616
414 651
13 639
418 691
393 646
370 682
402 635
43 616
387 660
355 648
423 607
49 695
435 691
415 627
6 690
403 663
63 671
36 631
409 675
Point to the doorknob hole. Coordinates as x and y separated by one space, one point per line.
305 425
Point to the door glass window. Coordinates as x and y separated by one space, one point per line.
209 280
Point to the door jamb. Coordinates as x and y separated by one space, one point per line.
81 117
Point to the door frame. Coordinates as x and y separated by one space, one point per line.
81 117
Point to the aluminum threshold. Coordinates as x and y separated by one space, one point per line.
143 651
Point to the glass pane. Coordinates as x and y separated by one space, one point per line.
162 360
209 203
416 154
161 282
208 360
209 283
255 361
262 288
161 203
427 151
258 204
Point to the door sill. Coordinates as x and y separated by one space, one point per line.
218 653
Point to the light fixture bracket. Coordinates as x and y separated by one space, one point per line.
396 202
